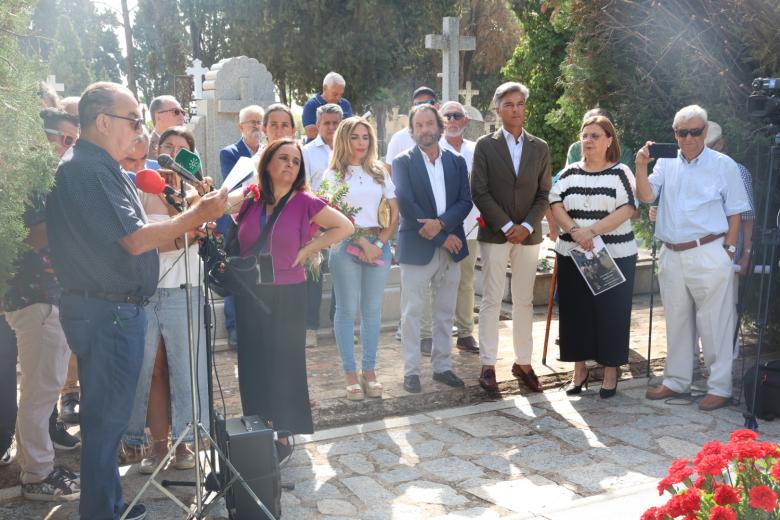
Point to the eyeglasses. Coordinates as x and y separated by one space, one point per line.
682 133
253 122
457 116
594 137
176 111
67 140
171 149
426 102
138 122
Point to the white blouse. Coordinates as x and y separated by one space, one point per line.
589 197
364 193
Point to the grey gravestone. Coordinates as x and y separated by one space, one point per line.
229 86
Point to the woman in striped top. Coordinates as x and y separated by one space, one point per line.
595 197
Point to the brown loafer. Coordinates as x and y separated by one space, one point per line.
530 379
487 380
712 402
467 344
657 393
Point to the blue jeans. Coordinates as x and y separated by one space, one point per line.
108 339
167 318
230 318
355 281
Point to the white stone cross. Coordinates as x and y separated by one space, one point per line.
51 81
197 71
467 94
450 43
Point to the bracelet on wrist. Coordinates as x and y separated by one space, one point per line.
378 243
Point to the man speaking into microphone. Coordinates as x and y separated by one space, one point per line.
104 253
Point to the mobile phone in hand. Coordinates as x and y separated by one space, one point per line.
663 150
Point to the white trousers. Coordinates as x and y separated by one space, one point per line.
523 260
697 289
43 358
440 278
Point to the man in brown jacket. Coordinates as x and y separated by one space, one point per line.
509 185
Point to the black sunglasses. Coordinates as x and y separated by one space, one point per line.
137 122
176 111
426 102
694 132
457 116
67 140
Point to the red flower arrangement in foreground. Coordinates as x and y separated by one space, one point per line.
736 480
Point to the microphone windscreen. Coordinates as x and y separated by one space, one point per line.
149 181
165 160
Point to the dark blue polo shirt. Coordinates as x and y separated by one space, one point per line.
309 116
92 206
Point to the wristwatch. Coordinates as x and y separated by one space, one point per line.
378 243
731 248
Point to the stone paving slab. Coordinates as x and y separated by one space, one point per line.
436 467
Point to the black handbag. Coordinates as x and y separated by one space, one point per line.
240 274
767 390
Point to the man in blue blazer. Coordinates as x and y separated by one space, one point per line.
432 190
250 123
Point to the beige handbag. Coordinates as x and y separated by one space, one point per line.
383 214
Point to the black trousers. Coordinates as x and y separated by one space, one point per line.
272 356
7 385
594 327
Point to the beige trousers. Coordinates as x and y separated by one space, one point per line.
697 288
464 310
43 358
523 260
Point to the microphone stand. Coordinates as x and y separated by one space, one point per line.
200 434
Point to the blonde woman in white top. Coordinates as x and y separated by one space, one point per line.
359 267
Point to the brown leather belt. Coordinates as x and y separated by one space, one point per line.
371 231
684 246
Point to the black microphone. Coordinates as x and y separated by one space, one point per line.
168 163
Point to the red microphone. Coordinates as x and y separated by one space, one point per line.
150 181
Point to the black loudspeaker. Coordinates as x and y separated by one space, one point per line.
248 443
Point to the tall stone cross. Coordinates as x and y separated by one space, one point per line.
197 71
51 81
450 43
467 94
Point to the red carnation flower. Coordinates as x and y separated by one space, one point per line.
709 448
750 450
722 513
776 471
726 495
761 497
700 482
743 435
711 465
481 221
679 471
651 514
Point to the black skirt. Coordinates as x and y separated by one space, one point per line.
272 358
594 327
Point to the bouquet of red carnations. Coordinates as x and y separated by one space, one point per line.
736 480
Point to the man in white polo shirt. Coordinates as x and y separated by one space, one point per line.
701 199
455 123
316 157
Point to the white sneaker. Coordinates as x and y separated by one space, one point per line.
311 338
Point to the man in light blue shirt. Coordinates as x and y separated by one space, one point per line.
698 224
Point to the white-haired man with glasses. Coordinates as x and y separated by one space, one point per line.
701 199
166 112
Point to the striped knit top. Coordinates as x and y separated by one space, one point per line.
589 197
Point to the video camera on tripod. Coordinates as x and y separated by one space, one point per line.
764 101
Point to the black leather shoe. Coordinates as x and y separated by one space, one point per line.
426 345
574 389
70 408
467 344
412 384
449 378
